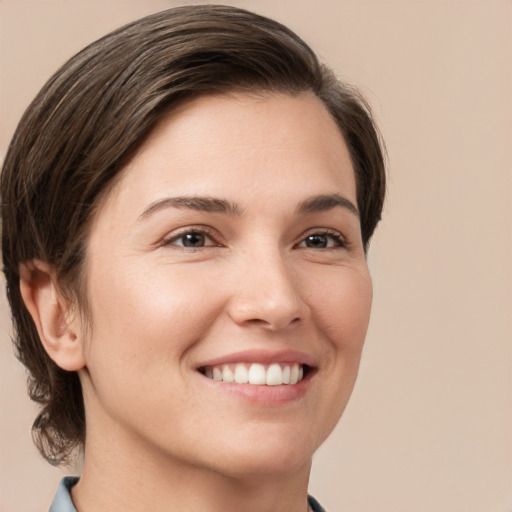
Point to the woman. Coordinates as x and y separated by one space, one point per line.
186 208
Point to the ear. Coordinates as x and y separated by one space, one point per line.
51 315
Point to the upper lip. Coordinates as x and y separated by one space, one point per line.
262 357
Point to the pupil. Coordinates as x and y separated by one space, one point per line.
193 240
317 241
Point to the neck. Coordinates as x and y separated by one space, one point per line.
117 479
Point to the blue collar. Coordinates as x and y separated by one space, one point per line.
62 501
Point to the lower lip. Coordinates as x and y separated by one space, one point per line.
262 395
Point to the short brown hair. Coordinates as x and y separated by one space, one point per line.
96 111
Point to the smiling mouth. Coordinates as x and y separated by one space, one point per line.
275 374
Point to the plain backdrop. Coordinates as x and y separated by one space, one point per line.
429 426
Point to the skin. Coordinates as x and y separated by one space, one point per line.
160 435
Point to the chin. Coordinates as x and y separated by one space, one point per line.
275 465
268 456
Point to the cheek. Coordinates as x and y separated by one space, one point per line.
148 317
342 307
143 327
341 311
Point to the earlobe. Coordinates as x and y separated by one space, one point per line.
50 314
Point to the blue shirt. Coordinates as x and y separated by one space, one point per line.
62 501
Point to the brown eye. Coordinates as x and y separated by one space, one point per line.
193 240
322 241
316 241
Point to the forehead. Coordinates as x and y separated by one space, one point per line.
231 144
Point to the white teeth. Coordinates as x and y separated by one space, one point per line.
286 375
257 374
227 374
241 374
294 374
274 375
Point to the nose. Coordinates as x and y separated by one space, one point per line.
267 293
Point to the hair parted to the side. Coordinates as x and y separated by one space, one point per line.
93 114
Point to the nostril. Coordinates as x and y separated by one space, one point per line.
275 324
256 321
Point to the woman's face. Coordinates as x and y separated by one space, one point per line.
230 248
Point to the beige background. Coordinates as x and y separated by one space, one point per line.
429 428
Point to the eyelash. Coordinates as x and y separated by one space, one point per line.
339 240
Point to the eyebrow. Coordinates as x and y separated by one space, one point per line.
204 204
319 203
325 202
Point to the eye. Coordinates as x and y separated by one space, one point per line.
192 239
323 240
